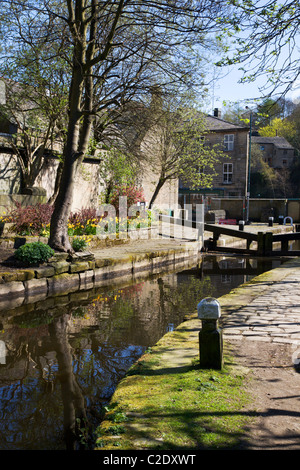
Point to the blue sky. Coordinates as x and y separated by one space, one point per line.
227 88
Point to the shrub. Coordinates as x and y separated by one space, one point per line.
133 194
33 253
79 243
83 222
30 220
82 216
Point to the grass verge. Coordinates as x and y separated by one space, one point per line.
167 401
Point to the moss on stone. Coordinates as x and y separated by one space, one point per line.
44 271
61 267
10 276
78 267
25 275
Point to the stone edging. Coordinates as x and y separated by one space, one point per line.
83 272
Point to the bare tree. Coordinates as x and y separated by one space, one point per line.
35 116
111 52
175 146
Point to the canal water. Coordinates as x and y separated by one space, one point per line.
65 355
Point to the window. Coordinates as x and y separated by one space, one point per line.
228 142
227 172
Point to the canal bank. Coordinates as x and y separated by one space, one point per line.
120 259
167 402
27 338
87 270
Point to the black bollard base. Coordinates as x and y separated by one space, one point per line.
210 345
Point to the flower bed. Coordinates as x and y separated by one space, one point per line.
85 227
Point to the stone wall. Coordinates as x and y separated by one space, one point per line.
8 200
88 184
153 147
9 173
168 194
64 276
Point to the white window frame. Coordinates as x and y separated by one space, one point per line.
228 142
227 173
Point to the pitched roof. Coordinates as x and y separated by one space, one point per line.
278 142
218 124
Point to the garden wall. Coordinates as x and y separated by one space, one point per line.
88 184
9 173
7 200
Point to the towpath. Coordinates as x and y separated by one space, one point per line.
261 325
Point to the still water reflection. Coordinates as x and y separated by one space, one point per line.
65 355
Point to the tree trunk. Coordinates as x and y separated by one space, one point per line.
159 185
72 398
81 115
59 239
78 134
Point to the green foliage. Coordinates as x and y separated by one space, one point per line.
269 50
79 243
279 127
178 148
117 168
34 253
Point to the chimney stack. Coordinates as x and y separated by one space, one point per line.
217 112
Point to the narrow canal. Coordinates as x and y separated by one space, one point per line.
65 355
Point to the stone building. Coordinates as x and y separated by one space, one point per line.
232 170
276 151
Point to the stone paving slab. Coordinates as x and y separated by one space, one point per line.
265 309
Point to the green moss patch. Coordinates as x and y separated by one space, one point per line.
167 402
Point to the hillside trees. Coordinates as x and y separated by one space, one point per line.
279 127
110 53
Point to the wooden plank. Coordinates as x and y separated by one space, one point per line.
292 253
279 237
229 249
221 230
